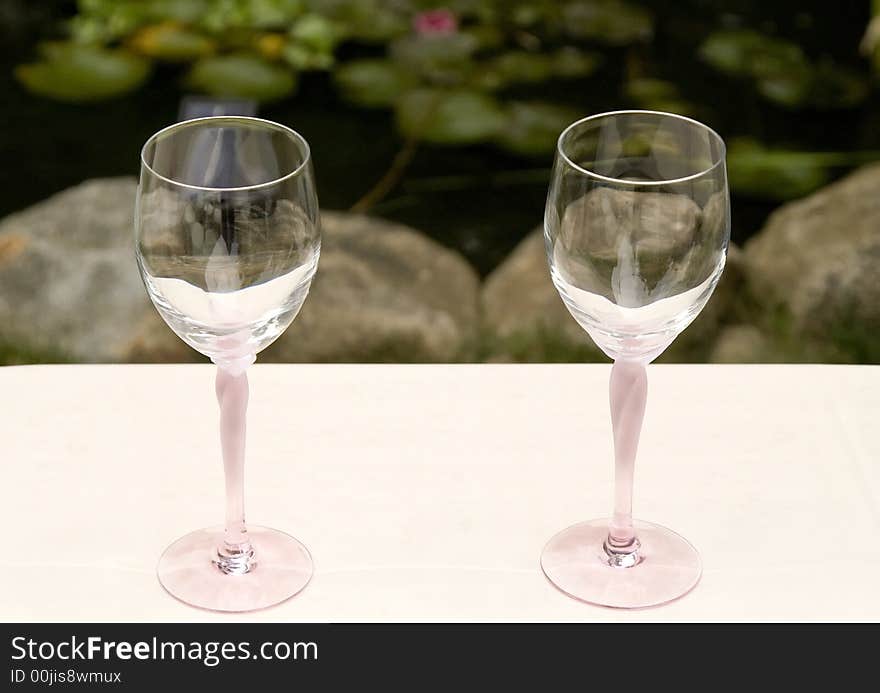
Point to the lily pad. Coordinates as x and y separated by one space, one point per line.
785 90
75 73
222 16
442 57
372 83
178 10
782 72
242 75
523 67
612 22
369 21
271 13
311 44
108 20
449 116
570 62
304 58
526 67
774 173
731 51
532 127
316 32
171 42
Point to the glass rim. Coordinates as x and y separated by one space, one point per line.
268 124
620 181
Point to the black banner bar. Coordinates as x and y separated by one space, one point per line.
416 656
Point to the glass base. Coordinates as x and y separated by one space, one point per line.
283 568
575 561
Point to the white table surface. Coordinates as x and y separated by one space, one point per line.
427 492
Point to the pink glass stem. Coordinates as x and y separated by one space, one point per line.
628 394
236 554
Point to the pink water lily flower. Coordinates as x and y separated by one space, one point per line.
439 21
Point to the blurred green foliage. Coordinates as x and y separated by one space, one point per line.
73 72
16 355
781 72
454 73
783 174
241 75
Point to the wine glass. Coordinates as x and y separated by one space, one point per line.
636 227
227 242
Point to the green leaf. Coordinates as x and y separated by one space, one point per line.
316 32
570 62
774 173
183 11
774 58
107 20
312 41
223 15
74 72
782 72
442 58
533 127
92 30
372 83
242 75
170 42
731 51
303 58
449 116
786 90
746 52
613 22
265 14
369 21
523 67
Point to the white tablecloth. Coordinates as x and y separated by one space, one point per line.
428 492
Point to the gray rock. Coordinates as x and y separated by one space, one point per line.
69 285
742 344
383 292
837 308
654 232
523 315
819 260
526 319
725 306
660 224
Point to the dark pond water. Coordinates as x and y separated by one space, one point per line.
477 199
